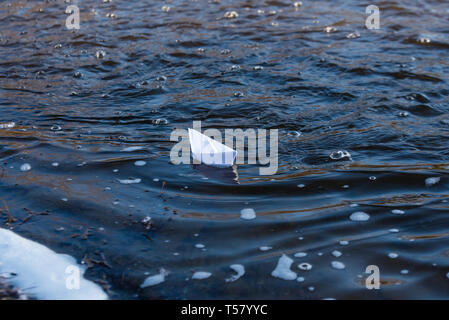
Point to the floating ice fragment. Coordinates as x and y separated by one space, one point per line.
344 242
359 216
404 271
7 125
100 54
431 181
248 214
240 269
393 230
300 254
130 181
301 185
200 246
393 255
336 253
140 163
156 279
200 275
265 248
209 151
397 211
300 279
337 265
25 167
282 270
55 164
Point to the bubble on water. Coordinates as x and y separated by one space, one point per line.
305 266
65 199
200 275
140 163
340 155
300 254
166 8
265 248
330 29
393 255
397 211
200 246
294 133
248 214
423 40
235 67
77 74
337 253
130 181
156 180
311 289
225 51
353 35
239 269
25 167
111 15
359 216
161 78
338 265
282 270
100 54
404 114
432 181
353 205
231 15
238 94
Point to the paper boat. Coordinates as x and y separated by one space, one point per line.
210 152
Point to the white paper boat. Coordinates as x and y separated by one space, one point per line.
208 151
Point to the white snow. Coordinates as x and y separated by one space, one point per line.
43 273
155 279
248 214
240 269
282 269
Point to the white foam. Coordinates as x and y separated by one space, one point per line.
240 269
200 275
359 216
248 214
41 272
155 279
282 270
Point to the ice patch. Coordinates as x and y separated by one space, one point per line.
155 279
41 272
25 167
7 125
240 269
336 253
140 163
200 275
248 214
305 266
265 248
359 216
300 254
282 270
397 211
393 255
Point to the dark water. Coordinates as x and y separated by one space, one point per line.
383 97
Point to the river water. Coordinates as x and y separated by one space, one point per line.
80 107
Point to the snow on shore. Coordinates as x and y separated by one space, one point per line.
41 273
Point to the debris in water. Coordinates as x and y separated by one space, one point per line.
282 270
